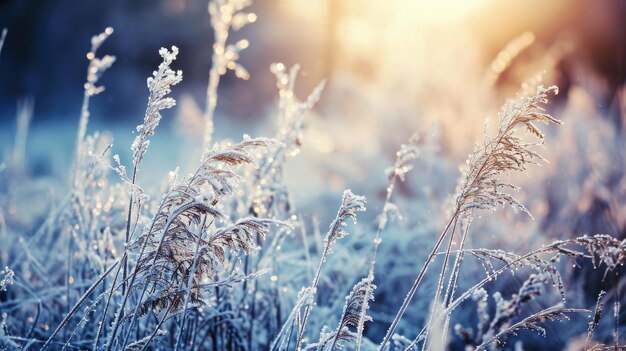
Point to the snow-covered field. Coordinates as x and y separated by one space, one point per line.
421 197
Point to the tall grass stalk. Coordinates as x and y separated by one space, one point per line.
404 156
480 186
225 14
350 204
95 69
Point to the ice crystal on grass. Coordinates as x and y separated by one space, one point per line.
595 320
350 205
407 153
506 312
7 278
179 253
508 309
225 14
97 66
482 187
108 267
357 300
554 313
159 86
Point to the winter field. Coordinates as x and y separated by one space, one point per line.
335 176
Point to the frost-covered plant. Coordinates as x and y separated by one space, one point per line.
225 14
191 282
481 186
554 313
80 224
350 204
505 312
402 165
97 66
600 249
595 320
7 278
172 252
268 193
159 86
356 302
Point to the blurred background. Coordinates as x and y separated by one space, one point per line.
408 64
393 68
371 40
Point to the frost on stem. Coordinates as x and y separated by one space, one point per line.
180 236
357 300
7 278
269 195
506 311
225 14
404 157
595 320
482 187
407 153
350 205
159 86
97 67
554 313
356 303
292 110
281 341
